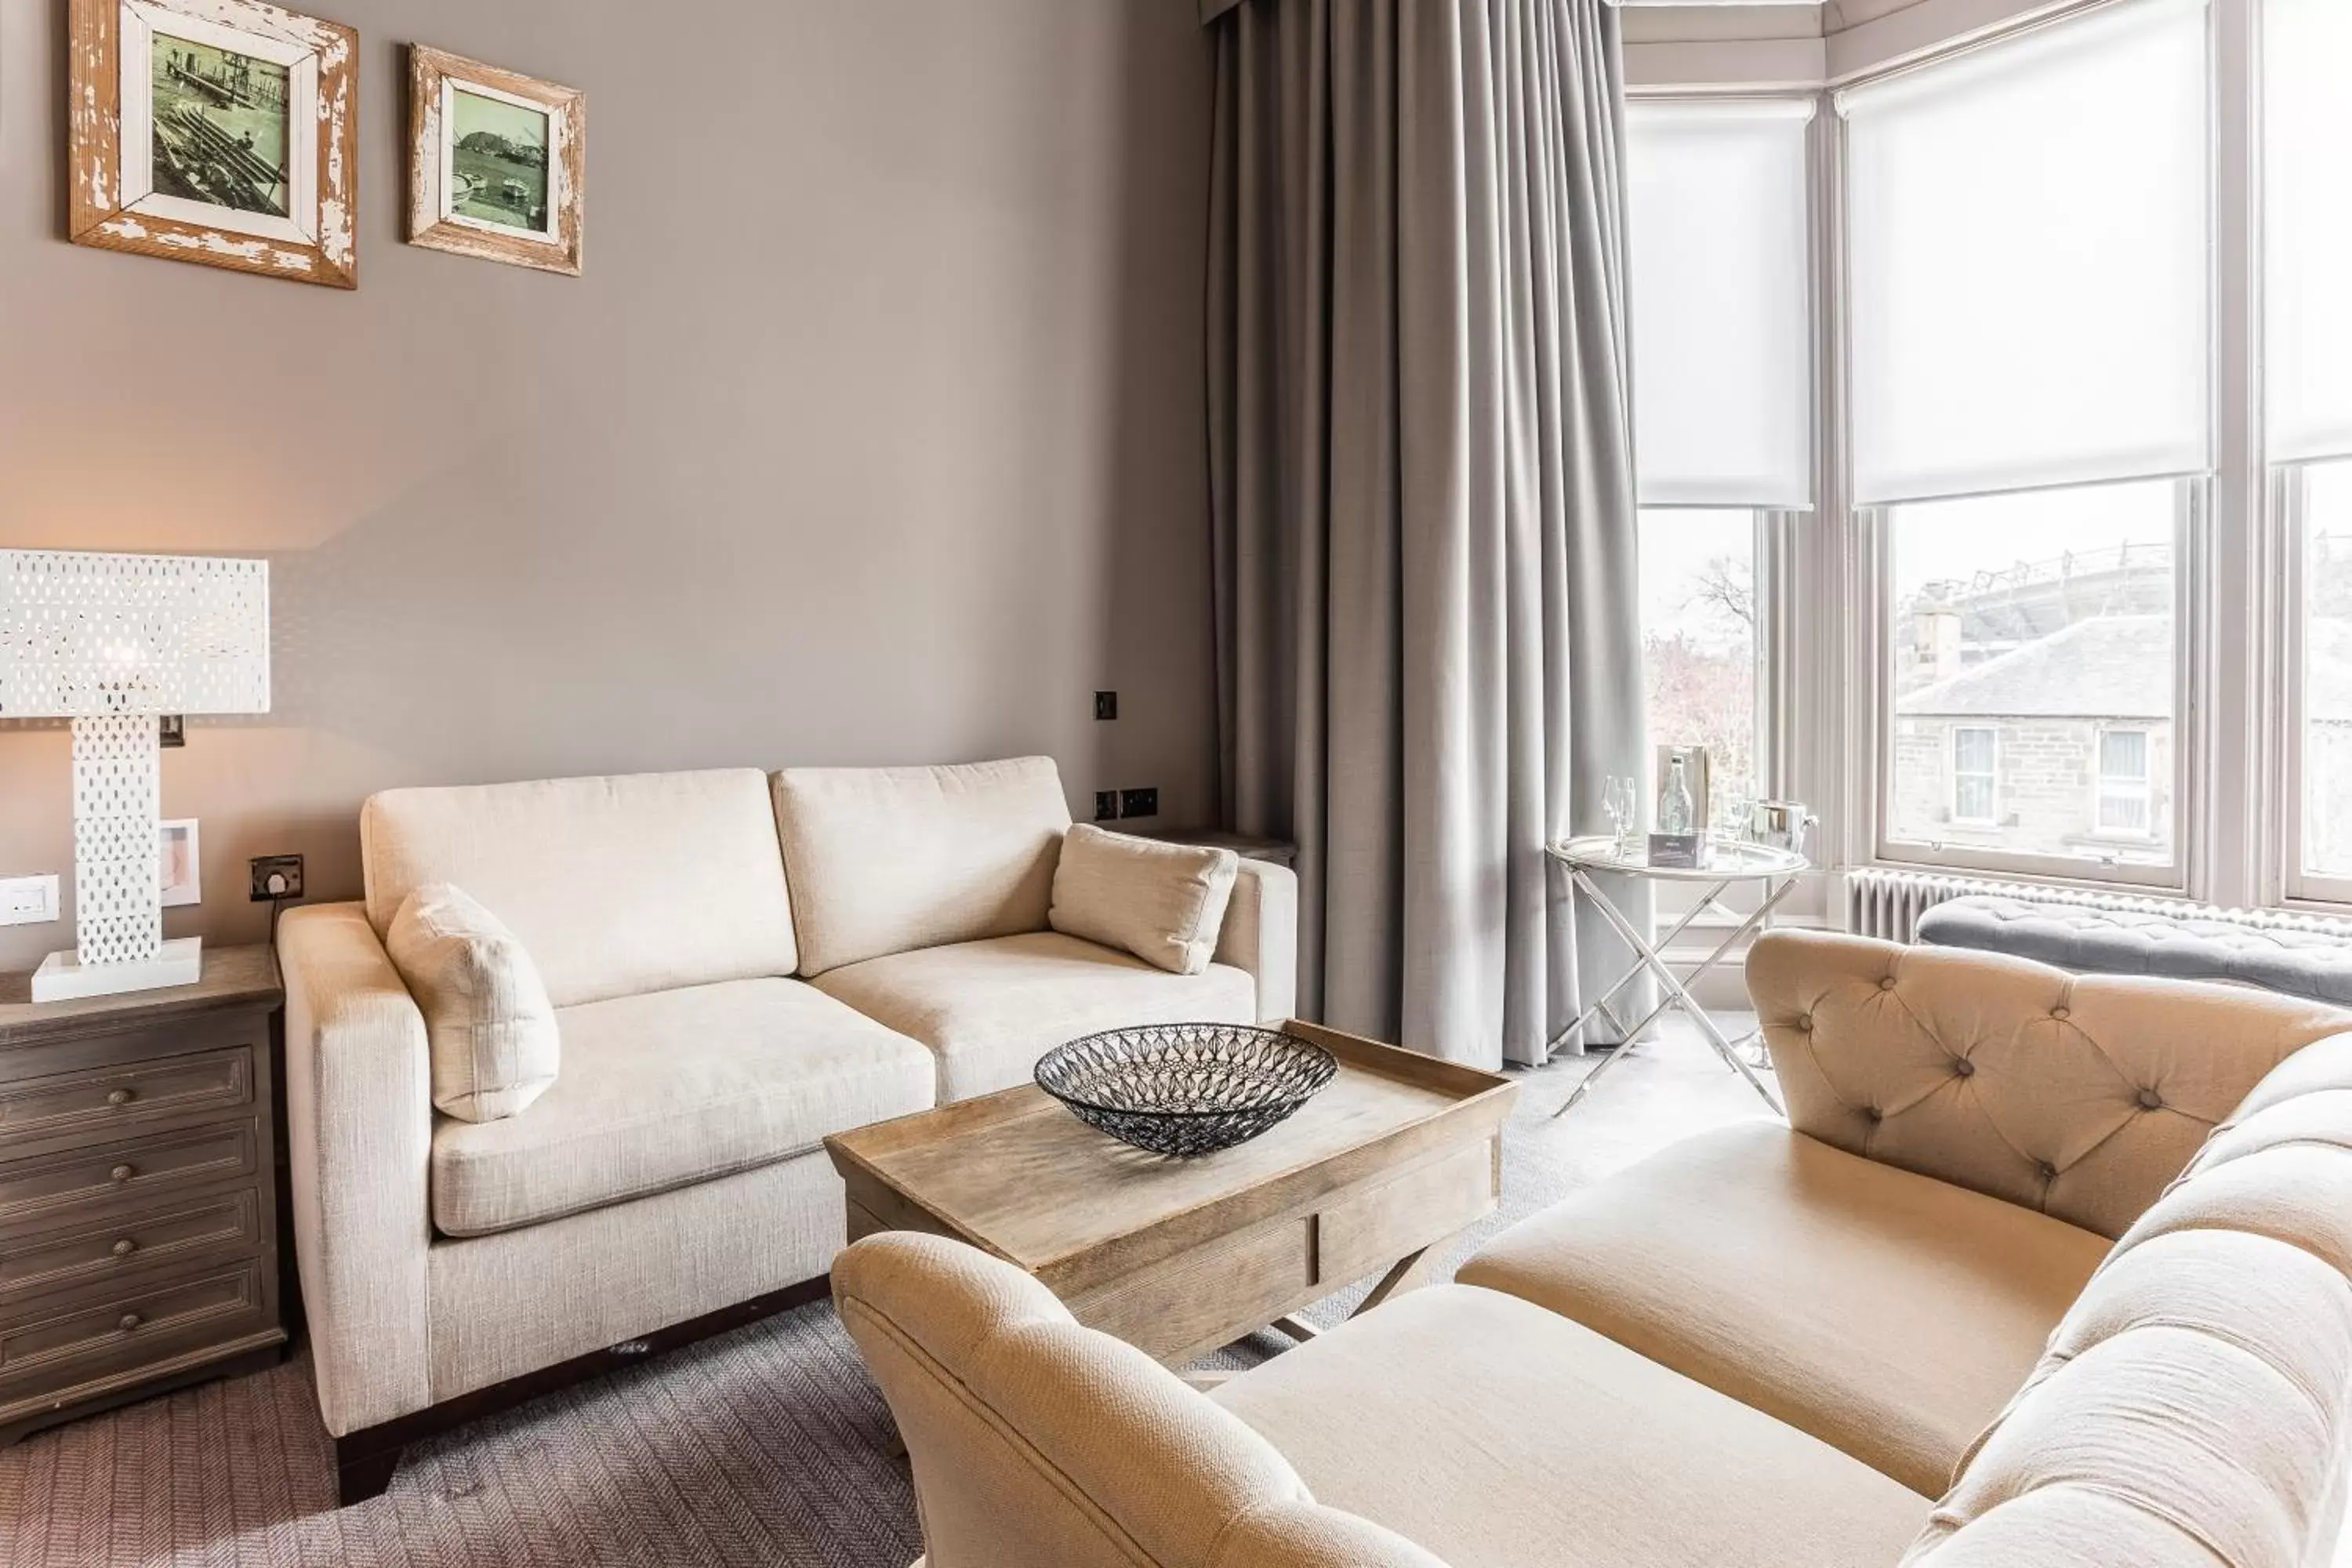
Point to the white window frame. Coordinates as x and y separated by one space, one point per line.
1865 780
1875 774
2300 886
1781 707
1991 776
2140 789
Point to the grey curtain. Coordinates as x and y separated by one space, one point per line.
1422 484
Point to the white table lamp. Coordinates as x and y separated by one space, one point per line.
113 643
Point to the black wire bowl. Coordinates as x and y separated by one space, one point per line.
1185 1089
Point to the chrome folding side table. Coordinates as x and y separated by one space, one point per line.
1722 866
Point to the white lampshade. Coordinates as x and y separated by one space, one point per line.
112 642
84 634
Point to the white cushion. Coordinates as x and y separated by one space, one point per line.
1162 903
488 1025
990 1009
885 860
615 885
674 1087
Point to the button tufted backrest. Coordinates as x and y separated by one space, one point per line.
2081 1095
2194 1406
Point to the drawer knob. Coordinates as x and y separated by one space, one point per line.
121 1174
117 1097
125 1247
128 1321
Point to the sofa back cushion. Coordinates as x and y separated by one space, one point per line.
1039 1442
614 886
2195 1405
2081 1095
886 860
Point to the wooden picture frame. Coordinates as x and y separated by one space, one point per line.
497 163
218 132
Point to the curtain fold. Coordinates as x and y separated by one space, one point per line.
1422 483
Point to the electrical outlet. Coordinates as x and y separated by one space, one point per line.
1138 801
29 900
1106 704
1106 805
276 877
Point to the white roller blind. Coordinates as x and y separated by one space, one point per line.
1722 337
2307 156
2028 260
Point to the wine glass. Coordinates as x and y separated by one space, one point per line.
1623 802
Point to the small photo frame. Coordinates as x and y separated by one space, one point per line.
218 132
497 163
180 862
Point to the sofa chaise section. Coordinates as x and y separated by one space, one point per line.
1968 1137
1451 1426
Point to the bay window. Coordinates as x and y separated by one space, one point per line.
2029 387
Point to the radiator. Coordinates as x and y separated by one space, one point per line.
1887 903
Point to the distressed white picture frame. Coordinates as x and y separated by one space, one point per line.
141 22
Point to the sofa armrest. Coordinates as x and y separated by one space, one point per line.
1261 935
358 1112
2081 1095
1038 1440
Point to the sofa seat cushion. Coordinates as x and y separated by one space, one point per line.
1889 1314
1496 1435
990 1009
671 1088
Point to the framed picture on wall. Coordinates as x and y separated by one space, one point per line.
218 132
497 163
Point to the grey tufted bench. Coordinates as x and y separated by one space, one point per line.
2298 957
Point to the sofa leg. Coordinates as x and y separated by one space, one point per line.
362 1469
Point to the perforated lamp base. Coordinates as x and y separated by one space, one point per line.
63 977
117 900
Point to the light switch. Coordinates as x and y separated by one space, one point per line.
29 900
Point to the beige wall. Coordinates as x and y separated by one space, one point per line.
873 433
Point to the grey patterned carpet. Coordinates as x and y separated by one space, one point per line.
767 1446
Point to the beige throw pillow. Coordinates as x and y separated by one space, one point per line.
1162 903
488 1025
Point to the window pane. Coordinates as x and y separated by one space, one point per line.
2307 248
2327 671
2042 622
1699 650
1717 236
2027 257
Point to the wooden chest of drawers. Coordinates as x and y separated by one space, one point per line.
139 1190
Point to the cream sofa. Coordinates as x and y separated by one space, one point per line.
2048 1272
742 965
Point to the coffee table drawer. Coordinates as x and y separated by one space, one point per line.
99 1097
32 1189
1367 1230
100 1330
1210 1297
129 1246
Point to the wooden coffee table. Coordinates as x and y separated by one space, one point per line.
1397 1154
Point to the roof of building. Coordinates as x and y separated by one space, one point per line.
2113 667
2108 666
